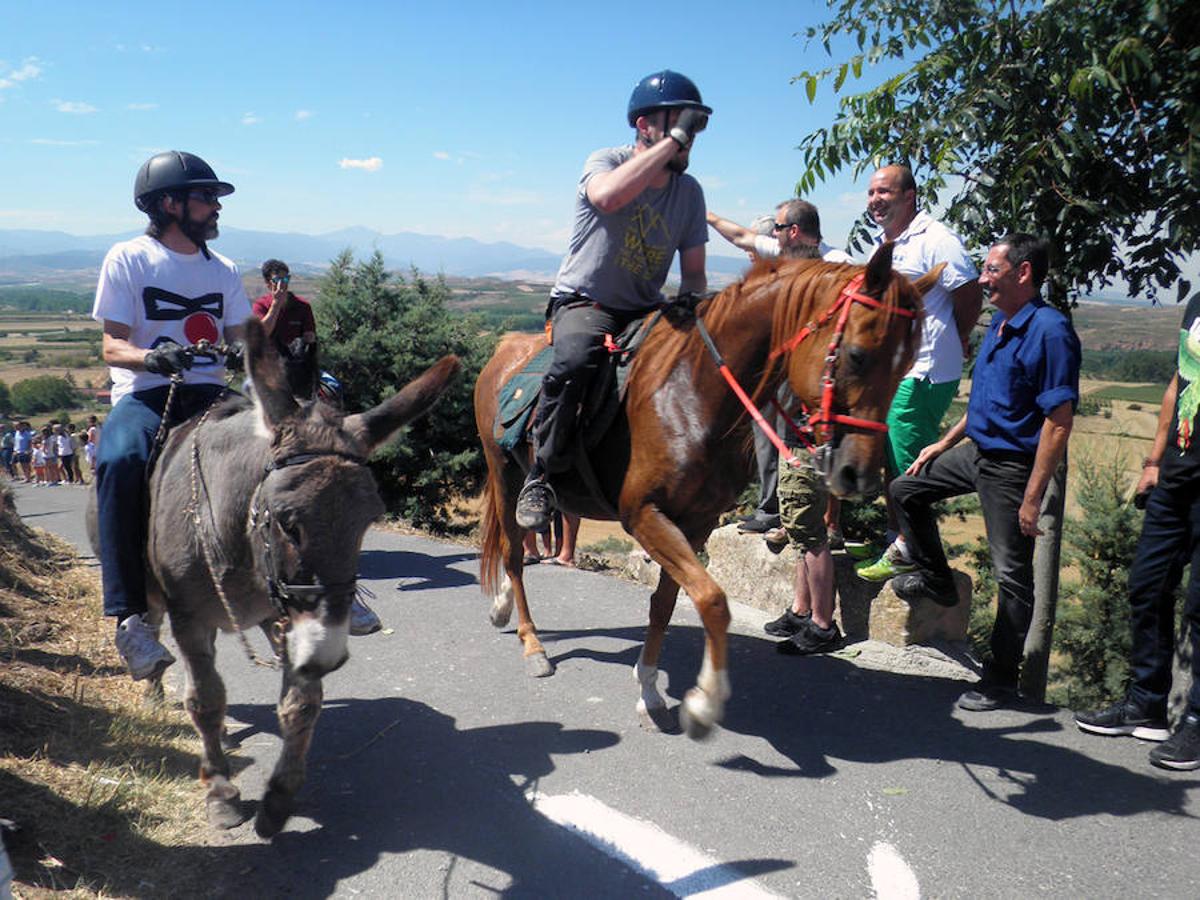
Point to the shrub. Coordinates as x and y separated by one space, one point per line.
42 394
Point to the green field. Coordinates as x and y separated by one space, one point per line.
1150 394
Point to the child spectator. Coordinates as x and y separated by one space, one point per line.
39 462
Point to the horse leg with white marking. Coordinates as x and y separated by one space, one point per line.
205 702
704 705
299 707
651 706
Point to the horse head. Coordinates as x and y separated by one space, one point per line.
313 506
849 380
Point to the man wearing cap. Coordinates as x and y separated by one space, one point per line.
634 209
157 294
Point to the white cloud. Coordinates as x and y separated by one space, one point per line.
73 107
141 107
250 119
371 164
54 142
440 154
302 114
28 70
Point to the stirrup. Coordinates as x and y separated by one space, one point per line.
536 502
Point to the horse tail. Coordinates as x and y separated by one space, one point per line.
494 539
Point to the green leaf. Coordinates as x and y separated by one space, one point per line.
810 88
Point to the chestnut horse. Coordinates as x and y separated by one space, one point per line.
676 457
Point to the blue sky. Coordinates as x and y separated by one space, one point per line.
469 119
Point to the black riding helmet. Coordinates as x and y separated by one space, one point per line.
174 170
664 90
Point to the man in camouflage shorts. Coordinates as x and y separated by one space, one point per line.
808 625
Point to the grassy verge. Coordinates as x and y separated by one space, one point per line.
102 787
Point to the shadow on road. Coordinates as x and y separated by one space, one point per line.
818 710
418 571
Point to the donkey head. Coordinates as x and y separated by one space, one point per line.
311 510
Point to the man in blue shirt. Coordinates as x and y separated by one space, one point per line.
1023 397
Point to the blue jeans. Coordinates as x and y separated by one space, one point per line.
121 497
1170 540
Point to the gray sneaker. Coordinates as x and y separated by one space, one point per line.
363 619
138 644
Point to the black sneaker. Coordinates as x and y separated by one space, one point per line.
1124 717
811 640
914 587
988 696
535 505
758 525
1181 751
787 624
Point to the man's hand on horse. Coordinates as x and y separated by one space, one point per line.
689 124
167 359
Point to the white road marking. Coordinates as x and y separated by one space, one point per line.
678 867
891 876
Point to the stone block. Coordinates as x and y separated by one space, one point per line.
749 571
898 623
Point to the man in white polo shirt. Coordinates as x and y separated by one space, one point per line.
952 308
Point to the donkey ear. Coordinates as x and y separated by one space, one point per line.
929 279
879 270
271 390
375 426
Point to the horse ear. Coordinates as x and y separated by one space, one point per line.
271 392
879 270
375 426
929 279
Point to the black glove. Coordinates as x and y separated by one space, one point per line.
682 308
235 356
167 359
690 123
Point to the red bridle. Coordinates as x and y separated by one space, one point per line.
820 425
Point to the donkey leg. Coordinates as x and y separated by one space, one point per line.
298 710
704 705
651 706
205 702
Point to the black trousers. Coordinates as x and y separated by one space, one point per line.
1000 480
1170 540
579 330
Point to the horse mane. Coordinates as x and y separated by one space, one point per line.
795 287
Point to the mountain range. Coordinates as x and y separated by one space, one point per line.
30 255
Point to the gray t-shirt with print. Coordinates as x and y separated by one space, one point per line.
621 259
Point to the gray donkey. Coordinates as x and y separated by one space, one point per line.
258 511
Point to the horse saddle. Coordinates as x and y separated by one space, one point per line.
519 396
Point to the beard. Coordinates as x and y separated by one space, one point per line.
199 232
678 164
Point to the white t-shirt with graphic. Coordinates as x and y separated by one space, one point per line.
167 296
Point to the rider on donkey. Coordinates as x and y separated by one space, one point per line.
634 209
157 293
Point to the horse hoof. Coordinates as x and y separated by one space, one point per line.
658 719
695 717
500 614
537 665
225 813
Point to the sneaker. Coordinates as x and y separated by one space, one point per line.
363 619
138 644
861 550
989 695
889 565
914 587
1181 750
759 525
787 624
812 640
1124 717
535 504
776 539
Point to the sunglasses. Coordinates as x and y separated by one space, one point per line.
782 226
209 197
281 279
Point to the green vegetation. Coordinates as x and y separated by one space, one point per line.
1129 365
377 332
42 394
1078 121
1151 394
43 299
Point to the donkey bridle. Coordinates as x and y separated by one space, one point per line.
287 595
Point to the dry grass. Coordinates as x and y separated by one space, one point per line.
102 785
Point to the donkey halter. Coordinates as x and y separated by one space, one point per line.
288 595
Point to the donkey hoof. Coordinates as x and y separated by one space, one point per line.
154 696
537 665
225 813
272 815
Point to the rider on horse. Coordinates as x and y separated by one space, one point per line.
157 293
634 209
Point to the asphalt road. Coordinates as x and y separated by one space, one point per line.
440 769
